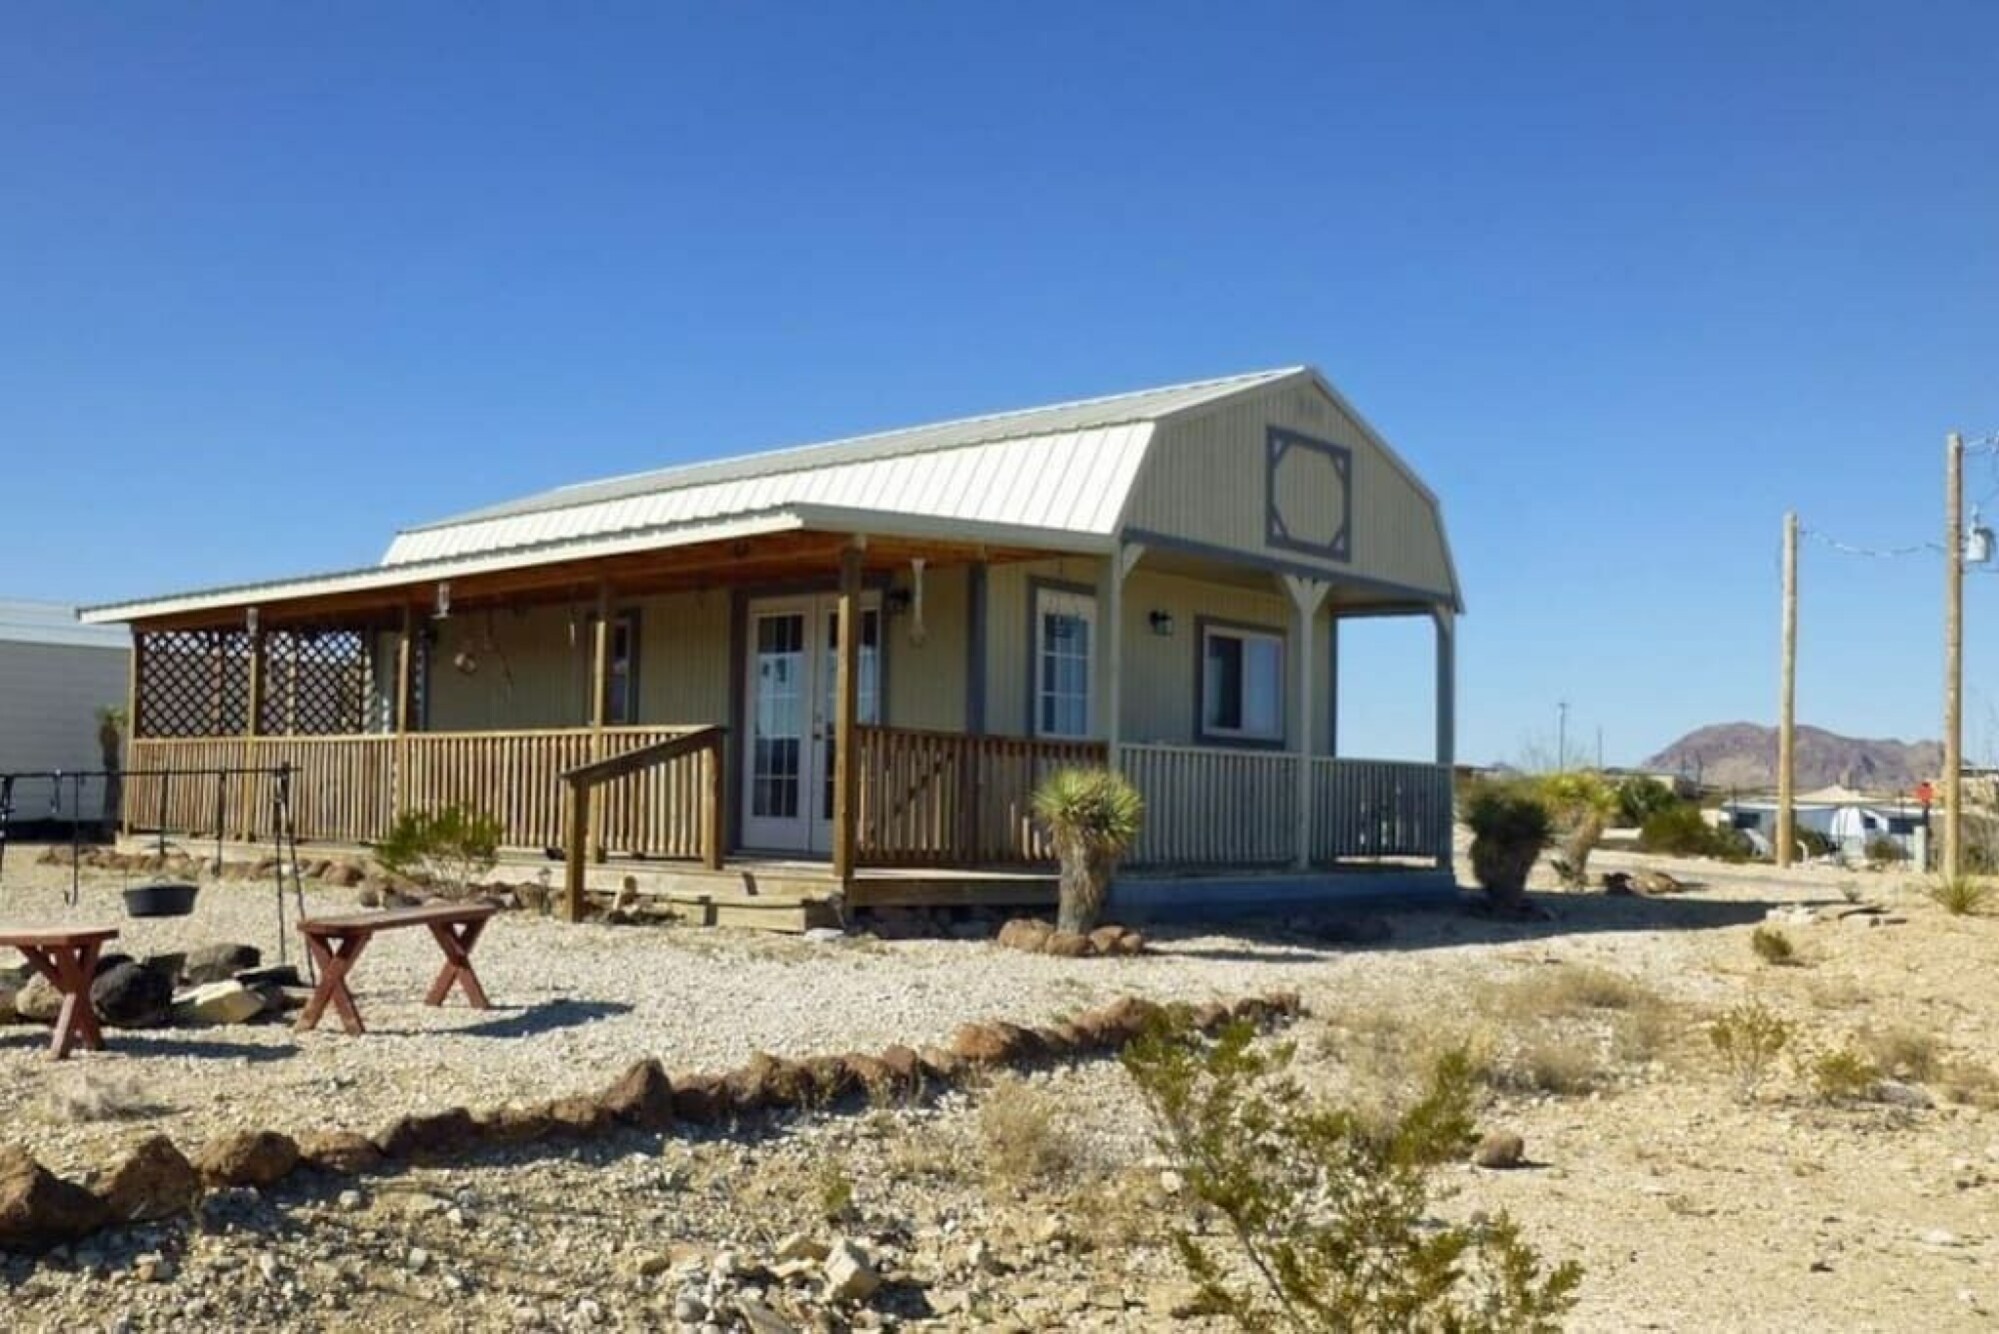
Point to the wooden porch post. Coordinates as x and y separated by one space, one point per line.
134 675
600 700
405 665
1117 568
253 722
846 710
1447 714
1307 596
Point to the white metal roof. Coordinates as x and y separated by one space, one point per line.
24 622
1053 477
1070 421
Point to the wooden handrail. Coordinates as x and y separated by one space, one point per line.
580 780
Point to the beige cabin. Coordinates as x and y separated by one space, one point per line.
847 664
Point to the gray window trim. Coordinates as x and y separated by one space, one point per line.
1202 625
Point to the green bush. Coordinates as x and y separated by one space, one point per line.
1579 803
1639 799
1510 824
1812 841
1842 1076
1960 896
1772 946
1681 831
448 848
1327 1211
1749 1038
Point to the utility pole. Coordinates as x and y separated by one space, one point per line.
1599 747
1562 736
1787 698
1953 652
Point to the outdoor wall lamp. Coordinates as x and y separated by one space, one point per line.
1161 623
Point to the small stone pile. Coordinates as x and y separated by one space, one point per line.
215 984
1033 936
39 1210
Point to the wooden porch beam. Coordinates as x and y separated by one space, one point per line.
600 698
846 710
1307 597
405 666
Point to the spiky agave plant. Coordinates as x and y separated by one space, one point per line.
1094 816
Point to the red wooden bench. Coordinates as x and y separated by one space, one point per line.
67 957
336 943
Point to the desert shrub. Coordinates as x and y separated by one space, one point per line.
1681 831
1749 1038
1639 799
1022 1139
1812 842
1842 1075
1510 824
1970 1084
1904 1052
1883 851
1093 815
1327 1220
449 848
1567 989
1960 895
834 1192
1772 946
1565 1066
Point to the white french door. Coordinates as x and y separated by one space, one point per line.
793 664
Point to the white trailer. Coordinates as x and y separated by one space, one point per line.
55 675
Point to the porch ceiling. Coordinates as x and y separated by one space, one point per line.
1348 598
738 559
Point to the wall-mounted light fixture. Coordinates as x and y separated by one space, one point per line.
1161 623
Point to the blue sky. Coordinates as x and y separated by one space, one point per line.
1623 281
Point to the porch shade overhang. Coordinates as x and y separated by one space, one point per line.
562 562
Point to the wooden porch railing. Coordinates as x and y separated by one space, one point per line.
347 789
934 798
1380 808
1207 806
703 745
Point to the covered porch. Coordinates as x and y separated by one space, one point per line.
346 686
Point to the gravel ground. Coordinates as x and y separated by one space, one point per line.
1688 1209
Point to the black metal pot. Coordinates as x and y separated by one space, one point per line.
166 899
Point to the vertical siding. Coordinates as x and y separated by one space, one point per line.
684 658
1160 669
49 698
1007 633
1205 482
529 673
926 681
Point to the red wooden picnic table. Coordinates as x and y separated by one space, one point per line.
336 943
67 957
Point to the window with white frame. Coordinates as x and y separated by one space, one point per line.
1065 638
1242 684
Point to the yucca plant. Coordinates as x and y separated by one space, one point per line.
1093 815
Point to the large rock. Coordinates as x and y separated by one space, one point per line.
850 1275
702 1099
342 1152
131 995
988 1044
1067 945
1026 933
247 1158
154 1181
582 1117
1500 1150
38 1001
642 1097
515 1124
224 1002
39 1209
217 963
432 1137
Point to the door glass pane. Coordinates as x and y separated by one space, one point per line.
777 749
1062 695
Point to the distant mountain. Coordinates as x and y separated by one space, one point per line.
1744 755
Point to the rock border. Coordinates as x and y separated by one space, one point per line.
156 1180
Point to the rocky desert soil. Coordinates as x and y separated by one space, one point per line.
1694 1198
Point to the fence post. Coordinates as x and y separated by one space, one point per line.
576 851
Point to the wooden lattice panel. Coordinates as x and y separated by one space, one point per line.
194 683
318 683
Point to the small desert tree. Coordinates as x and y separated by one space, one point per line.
111 727
448 848
1581 804
1325 1213
1094 816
